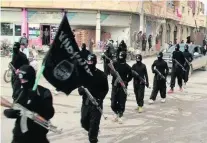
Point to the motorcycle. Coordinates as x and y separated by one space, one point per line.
8 74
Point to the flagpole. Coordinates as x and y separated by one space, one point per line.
40 72
38 77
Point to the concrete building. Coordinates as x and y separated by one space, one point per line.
165 20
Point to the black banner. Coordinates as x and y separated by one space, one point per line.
64 67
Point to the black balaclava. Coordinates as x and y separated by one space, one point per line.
27 76
83 46
186 48
92 60
177 48
139 58
122 57
159 56
16 47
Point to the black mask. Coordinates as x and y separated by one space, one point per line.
177 47
122 57
159 56
27 76
92 60
83 46
186 48
16 47
139 59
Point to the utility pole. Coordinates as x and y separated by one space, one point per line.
142 16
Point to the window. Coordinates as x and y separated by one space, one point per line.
7 29
183 9
18 30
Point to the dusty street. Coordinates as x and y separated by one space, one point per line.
182 119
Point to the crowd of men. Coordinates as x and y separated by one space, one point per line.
40 100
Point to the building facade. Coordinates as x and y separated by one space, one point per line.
101 20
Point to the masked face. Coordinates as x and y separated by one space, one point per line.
159 56
121 58
91 62
186 48
16 48
177 47
84 46
139 58
27 76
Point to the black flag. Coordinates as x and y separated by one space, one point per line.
64 67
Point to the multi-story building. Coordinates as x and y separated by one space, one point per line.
102 20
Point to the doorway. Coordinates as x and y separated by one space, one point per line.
168 33
160 34
175 35
45 34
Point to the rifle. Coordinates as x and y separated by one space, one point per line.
187 62
137 75
106 57
117 75
161 75
12 67
93 100
179 65
29 114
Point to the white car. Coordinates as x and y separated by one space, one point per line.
199 59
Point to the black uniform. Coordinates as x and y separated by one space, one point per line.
122 47
118 96
140 82
159 84
188 59
150 41
176 69
106 61
98 87
84 52
19 59
39 101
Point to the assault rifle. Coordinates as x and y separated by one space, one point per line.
24 112
118 78
179 65
161 75
93 100
134 73
187 62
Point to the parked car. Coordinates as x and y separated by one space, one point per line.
199 60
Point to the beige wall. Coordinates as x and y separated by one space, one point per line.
187 18
158 9
111 5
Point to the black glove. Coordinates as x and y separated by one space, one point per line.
11 113
81 91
